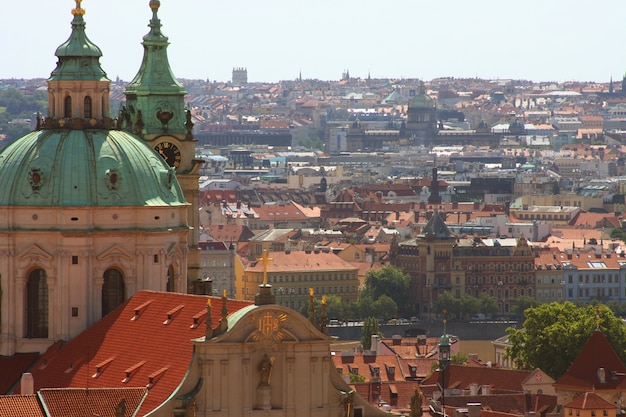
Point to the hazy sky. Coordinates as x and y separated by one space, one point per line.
539 40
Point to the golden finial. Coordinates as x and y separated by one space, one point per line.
78 11
155 4
323 299
265 259
224 293
208 302
311 292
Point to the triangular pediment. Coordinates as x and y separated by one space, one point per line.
116 252
34 251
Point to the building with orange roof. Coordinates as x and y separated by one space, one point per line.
590 404
598 369
292 273
284 214
169 354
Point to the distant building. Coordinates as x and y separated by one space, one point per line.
240 76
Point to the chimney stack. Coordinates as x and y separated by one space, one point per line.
27 384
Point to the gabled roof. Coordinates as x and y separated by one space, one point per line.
463 377
596 361
20 406
146 338
102 402
589 401
228 232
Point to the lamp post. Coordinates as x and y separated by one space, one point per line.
444 360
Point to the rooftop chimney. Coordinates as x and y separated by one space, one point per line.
27 384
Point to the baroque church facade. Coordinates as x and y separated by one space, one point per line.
95 208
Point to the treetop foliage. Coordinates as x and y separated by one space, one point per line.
554 334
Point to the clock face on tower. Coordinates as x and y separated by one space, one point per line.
169 152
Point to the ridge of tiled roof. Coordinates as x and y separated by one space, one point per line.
596 354
589 401
498 378
132 342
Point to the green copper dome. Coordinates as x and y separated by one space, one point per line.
421 101
79 58
85 168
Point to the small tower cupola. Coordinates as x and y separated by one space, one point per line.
154 96
78 88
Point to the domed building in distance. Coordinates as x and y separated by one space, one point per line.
89 213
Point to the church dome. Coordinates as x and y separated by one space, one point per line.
422 101
62 167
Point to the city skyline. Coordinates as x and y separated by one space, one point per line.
543 41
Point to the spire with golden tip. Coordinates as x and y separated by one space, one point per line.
78 11
312 307
224 311
208 333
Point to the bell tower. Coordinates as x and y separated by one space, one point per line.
155 111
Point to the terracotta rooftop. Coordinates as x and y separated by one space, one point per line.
584 373
149 333
20 406
302 261
12 368
80 402
462 377
589 401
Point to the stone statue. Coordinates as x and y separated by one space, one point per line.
265 369
191 408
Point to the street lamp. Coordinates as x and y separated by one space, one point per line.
444 360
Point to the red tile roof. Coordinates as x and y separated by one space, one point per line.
12 368
302 261
228 232
458 376
589 401
20 406
80 402
597 354
133 342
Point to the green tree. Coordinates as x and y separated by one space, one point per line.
553 335
370 327
446 301
469 306
335 308
488 304
523 303
385 307
456 359
390 281
354 378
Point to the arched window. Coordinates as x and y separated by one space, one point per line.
37 304
113 291
170 280
67 107
87 107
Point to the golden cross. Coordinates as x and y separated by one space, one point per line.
265 259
